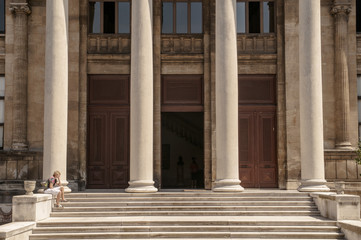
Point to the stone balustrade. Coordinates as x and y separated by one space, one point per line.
182 43
256 43
108 43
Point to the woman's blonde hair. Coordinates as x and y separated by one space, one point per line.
56 172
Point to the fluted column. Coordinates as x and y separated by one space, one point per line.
56 89
312 157
141 103
227 171
20 75
340 11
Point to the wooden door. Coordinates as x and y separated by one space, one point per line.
108 131
257 147
257 131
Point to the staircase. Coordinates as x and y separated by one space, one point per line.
188 215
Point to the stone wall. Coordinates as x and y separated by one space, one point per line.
341 166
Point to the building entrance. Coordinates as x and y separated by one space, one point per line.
182 131
108 131
257 131
182 150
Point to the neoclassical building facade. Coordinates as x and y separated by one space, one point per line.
145 95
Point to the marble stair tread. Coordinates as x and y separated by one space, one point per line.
192 203
174 228
135 235
187 213
183 208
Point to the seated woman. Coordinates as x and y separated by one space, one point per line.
55 188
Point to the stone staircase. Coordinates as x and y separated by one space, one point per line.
188 215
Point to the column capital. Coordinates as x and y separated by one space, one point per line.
341 7
20 8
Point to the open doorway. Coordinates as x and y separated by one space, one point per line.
182 150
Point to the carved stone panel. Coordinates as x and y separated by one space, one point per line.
257 43
103 43
182 43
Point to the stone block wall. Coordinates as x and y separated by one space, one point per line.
341 166
21 165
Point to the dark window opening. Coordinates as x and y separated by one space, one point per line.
2 16
358 16
109 17
254 17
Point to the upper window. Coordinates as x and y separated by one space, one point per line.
109 16
255 16
182 16
358 16
2 16
359 104
2 110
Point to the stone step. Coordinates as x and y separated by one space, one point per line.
190 198
189 203
187 194
186 213
184 208
172 228
81 222
185 235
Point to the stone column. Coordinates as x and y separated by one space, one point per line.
340 11
56 89
141 102
20 75
227 171
312 157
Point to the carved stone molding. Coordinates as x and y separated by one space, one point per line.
20 8
341 7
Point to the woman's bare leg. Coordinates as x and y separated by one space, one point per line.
62 193
58 198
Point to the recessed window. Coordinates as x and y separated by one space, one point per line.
2 16
359 104
358 16
2 110
255 16
182 16
109 16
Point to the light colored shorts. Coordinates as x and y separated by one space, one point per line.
54 191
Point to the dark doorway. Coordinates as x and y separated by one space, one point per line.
182 150
108 131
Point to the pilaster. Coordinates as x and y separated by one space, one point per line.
340 10
20 12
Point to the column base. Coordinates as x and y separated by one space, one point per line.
344 146
19 146
313 185
141 186
227 185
